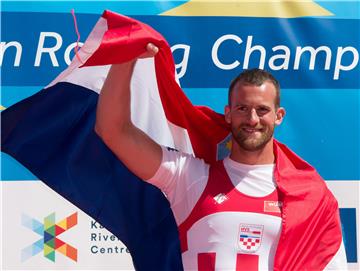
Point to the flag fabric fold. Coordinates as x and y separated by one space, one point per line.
52 134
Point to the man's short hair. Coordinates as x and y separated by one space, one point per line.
255 77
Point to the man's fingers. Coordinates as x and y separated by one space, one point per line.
152 49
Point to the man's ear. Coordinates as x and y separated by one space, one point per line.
280 114
227 114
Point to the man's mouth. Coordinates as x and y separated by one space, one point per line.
251 130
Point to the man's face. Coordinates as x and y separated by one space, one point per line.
253 115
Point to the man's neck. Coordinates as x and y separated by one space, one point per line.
259 157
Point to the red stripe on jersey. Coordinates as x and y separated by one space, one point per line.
206 261
247 262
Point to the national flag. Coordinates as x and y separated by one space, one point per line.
57 124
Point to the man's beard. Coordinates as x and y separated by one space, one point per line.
250 142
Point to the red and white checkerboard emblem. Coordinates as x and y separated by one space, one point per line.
250 237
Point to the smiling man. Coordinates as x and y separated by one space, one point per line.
253 112
261 208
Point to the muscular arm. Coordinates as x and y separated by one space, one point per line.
132 146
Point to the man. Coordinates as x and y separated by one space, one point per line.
235 214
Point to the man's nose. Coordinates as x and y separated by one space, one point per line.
253 118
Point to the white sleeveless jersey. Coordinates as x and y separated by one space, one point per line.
228 214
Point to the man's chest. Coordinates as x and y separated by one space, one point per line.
232 241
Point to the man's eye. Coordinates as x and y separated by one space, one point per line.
262 110
242 108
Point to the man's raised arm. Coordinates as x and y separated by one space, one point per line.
132 146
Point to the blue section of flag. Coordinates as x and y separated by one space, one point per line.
201 70
348 221
52 133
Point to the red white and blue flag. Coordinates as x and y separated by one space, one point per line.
57 124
